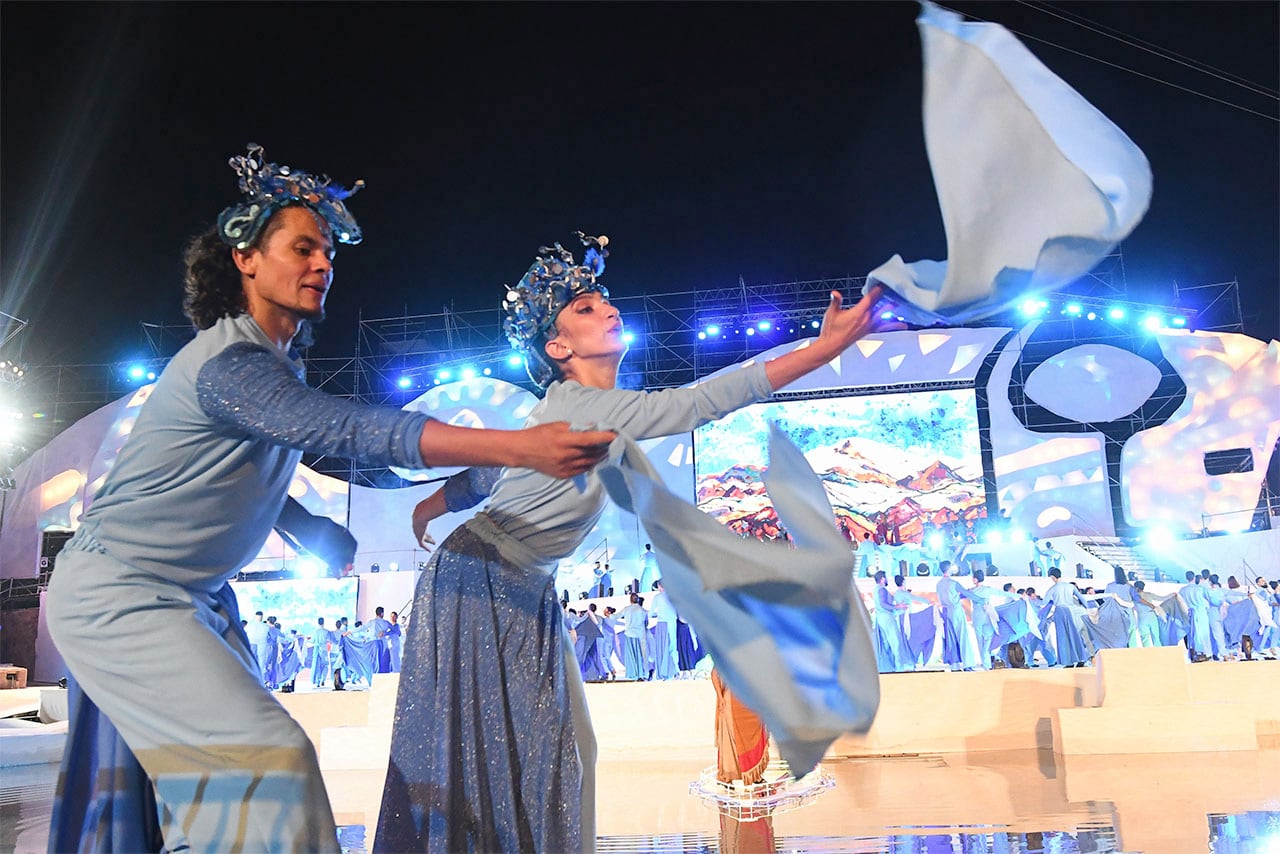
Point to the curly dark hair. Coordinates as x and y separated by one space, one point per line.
211 287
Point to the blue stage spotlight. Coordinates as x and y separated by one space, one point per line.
468 373
886 315
1074 309
628 338
405 382
488 371
1159 539
1091 316
1116 314
713 330
995 538
934 541
751 330
1152 322
1178 321
1240 523
444 374
307 567
1032 307
816 324
764 325
702 336
137 372
151 375
515 360
436 381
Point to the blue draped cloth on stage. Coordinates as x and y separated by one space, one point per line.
288 666
689 649
1014 622
359 658
1241 619
1113 625
922 635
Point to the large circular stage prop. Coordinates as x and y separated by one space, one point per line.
481 403
1092 383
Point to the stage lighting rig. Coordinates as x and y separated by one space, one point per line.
12 374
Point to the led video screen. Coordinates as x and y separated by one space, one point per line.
898 461
297 602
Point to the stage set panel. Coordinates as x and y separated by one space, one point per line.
912 432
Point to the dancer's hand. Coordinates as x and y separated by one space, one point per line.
557 450
552 449
843 326
429 508
840 328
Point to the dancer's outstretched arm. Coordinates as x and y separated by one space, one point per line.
840 328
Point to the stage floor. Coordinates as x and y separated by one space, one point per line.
1001 761
1024 802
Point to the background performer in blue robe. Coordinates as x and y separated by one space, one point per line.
892 654
1067 612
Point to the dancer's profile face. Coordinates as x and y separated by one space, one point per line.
588 327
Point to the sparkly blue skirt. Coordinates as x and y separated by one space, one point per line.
483 751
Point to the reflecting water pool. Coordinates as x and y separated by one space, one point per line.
999 803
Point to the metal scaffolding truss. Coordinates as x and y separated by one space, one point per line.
399 357
420 347
1105 281
10 326
1218 305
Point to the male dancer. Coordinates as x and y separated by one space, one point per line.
190 500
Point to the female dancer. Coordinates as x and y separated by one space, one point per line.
492 748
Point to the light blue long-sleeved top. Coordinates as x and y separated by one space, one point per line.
635 619
1194 596
1065 594
949 592
1215 598
206 469
551 517
662 609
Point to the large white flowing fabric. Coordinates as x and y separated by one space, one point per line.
1035 184
786 626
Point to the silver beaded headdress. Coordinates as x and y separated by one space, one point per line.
532 304
267 187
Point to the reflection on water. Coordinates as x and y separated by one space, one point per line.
1255 832
1223 803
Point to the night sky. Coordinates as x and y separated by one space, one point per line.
776 142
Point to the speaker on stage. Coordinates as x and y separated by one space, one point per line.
51 543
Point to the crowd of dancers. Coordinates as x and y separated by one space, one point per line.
636 643
1065 626
339 654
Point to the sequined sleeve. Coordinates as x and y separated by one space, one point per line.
469 487
249 388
